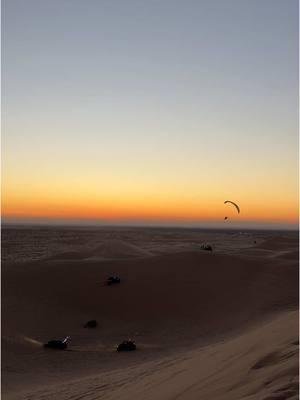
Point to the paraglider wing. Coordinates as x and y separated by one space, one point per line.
235 205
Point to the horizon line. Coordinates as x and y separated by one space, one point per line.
175 225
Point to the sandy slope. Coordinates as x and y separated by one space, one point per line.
195 317
259 365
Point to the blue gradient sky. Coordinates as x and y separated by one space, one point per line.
134 108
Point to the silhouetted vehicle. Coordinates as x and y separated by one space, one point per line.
57 344
91 324
127 345
206 247
112 280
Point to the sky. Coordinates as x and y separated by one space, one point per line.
150 111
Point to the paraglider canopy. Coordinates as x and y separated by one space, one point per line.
235 205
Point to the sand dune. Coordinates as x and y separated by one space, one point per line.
106 250
210 324
259 365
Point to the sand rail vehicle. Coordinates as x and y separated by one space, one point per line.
57 344
127 345
111 280
206 247
91 324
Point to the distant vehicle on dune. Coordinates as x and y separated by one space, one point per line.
206 247
91 324
57 344
127 345
112 280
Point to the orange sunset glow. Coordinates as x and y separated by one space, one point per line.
162 206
